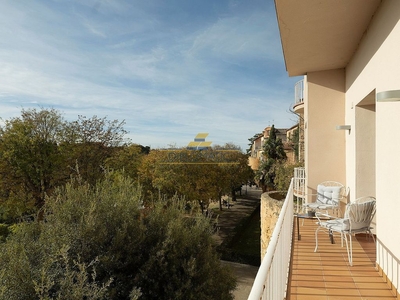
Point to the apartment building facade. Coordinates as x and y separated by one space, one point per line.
285 134
348 53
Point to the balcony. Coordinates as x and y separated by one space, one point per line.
291 269
327 274
298 106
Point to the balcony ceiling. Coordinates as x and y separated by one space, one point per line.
321 34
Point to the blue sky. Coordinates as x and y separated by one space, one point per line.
169 68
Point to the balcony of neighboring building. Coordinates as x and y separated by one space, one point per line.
298 105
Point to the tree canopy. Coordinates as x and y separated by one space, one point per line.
97 242
40 150
31 163
72 197
198 175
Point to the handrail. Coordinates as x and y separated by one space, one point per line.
272 276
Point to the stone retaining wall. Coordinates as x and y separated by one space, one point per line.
270 208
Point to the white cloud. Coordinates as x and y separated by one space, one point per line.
237 38
125 60
92 29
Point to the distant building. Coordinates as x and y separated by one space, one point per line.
285 134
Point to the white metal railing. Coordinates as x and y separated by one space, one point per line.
299 92
272 276
299 186
388 263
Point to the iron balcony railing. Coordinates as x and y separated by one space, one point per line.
272 278
299 92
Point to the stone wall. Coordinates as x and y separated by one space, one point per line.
271 205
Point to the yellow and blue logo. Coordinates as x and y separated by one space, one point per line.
199 142
180 157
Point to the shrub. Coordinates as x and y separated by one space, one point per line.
4 231
284 173
96 242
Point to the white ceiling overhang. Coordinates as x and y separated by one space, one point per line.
321 35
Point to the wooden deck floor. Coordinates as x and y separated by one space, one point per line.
327 275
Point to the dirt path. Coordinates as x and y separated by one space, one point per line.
228 220
230 217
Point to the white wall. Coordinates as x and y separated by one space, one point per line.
376 67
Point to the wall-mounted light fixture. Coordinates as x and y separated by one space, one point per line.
387 96
343 127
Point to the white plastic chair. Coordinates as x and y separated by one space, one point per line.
328 197
357 219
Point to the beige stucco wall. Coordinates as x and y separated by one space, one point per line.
324 145
375 68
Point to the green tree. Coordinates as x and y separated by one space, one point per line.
31 164
188 173
234 171
199 176
40 150
240 173
251 140
273 155
127 158
89 142
97 242
284 173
